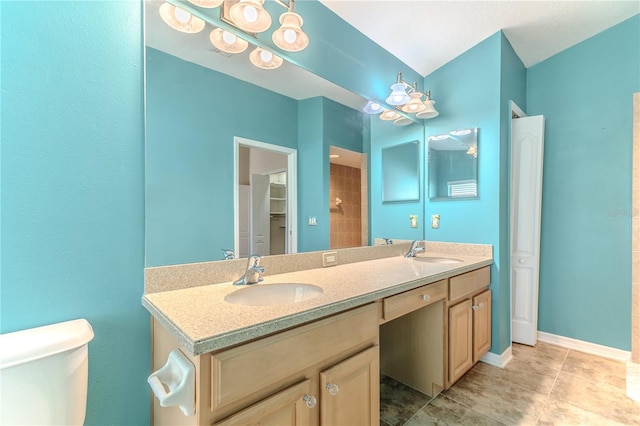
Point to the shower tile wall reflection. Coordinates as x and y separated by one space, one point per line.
345 206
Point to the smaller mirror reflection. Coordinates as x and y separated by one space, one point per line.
453 165
401 173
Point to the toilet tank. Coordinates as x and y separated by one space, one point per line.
43 374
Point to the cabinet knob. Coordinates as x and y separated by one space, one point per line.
521 260
426 297
481 305
475 307
310 401
333 389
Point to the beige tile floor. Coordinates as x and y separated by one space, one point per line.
544 385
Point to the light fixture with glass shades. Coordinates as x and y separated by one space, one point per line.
227 42
264 59
290 36
249 17
415 104
429 111
389 115
180 20
408 98
372 108
398 94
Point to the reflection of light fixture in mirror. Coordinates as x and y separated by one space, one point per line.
460 132
402 121
439 137
372 108
264 59
334 155
388 115
429 111
290 36
207 4
415 105
250 16
181 20
398 94
473 151
227 42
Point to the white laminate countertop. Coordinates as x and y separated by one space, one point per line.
202 321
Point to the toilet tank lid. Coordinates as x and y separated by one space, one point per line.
28 345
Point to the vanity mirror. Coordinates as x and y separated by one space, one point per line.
400 172
205 110
453 165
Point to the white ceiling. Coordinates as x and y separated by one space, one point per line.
427 34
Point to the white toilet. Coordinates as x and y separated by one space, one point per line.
43 374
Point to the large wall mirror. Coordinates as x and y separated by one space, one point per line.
453 165
215 126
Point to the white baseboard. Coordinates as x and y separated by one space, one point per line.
582 346
498 360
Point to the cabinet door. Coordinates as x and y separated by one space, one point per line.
481 325
350 391
460 340
293 406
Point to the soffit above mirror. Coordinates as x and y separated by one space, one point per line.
288 80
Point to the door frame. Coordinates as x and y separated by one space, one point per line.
292 189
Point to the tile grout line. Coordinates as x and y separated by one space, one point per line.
546 400
421 408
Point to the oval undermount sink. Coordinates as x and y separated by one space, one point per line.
434 259
273 294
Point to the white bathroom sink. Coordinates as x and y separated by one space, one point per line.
435 259
273 294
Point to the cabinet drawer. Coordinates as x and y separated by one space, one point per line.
251 369
403 303
467 284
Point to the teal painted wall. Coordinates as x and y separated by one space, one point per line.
72 188
585 94
391 219
189 151
477 99
313 166
513 80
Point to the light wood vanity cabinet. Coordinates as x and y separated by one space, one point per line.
469 321
324 372
327 372
411 337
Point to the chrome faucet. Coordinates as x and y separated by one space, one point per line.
252 273
414 249
387 241
228 254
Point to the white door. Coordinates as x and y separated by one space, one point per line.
260 226
527 143
244 222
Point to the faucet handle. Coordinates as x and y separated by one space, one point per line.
253 261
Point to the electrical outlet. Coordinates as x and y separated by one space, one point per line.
329 258
313 221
